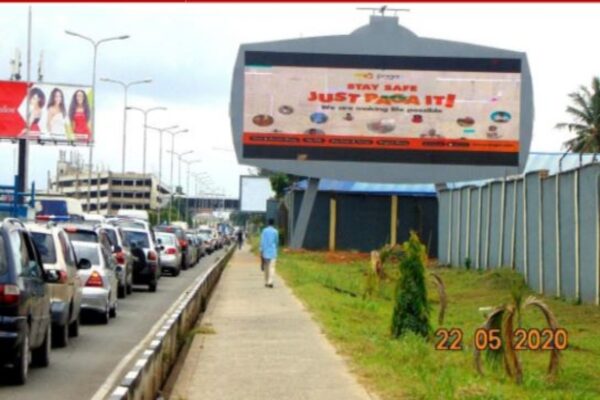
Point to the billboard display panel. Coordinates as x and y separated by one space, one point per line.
254 193
45 111
374 108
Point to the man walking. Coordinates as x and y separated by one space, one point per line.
269 239
240 238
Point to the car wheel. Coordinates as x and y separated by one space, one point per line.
40 357
60 336
176 271
112 313
129 288
152 287
105 316
20 370
74 327
121 292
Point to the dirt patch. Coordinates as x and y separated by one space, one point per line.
342 257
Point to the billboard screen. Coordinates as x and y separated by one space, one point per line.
374 108
254 193
44 111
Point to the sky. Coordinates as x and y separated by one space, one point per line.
189 51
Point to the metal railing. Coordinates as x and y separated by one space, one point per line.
12 201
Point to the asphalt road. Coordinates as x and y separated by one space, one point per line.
77 371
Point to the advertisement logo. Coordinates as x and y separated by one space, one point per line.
380 76
364 75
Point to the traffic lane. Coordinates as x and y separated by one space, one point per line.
77 371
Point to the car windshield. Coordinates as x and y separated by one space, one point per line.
132 224
204 235
45 245
176 231
167 240
140 238
3 256
83 236
88 252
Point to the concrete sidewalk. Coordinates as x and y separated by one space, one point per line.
265 346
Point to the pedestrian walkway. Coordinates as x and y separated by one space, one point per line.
265 346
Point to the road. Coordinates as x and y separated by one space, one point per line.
77 371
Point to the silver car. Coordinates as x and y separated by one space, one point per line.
122 256
170 252
65 284
100 279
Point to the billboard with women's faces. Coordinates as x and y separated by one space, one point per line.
46 112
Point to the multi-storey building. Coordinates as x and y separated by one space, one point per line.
109 191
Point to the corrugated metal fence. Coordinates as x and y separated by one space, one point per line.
545 227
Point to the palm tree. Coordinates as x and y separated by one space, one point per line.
586 114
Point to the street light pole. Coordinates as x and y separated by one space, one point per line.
179 158
146 112
187 185
160 143
95 44
173 134
126 86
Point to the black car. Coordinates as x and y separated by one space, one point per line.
25 322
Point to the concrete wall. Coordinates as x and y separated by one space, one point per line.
545 227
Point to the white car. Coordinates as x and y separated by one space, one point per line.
98 273
170 252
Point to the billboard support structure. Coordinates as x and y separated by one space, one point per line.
308 201
23 143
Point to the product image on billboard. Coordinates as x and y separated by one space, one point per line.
333 107
47 112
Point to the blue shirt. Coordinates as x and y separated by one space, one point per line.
269 239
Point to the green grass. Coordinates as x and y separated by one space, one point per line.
410 367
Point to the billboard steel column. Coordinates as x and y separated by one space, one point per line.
308 200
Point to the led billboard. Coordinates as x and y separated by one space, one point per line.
382 104
46 112
382 108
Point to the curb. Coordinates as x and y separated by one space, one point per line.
151 370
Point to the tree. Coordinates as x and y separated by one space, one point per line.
411 312
585 111
279 181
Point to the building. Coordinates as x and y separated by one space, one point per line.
110 191
362 216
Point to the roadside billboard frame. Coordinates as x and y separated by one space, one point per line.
383 36
22 110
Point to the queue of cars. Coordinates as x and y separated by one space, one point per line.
51 273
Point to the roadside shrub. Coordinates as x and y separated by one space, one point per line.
411 311
468 263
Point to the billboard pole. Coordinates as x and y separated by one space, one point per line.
308 200
23 144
